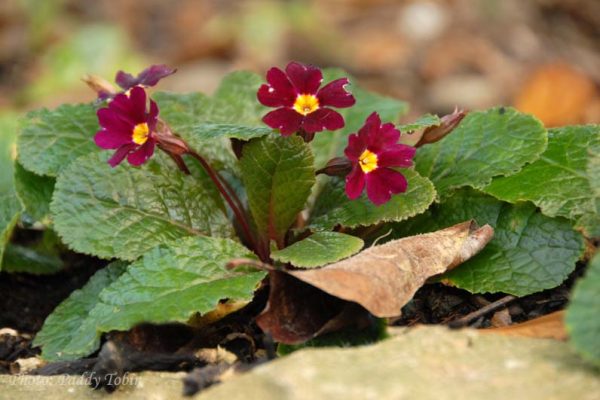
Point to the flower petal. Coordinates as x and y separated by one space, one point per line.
142 154
279 91
148 77
398 155
356 146
121 106
382 182
305 78
286 120
154 73
386 135
355 182
152 115
370 128
120 154
125 80
137 97
334 94
323 118
110 140
115 121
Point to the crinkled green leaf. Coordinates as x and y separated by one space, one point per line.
424 121
34 191
499 141
8 134
333 207
169 284
66 320
10 209
184 113
319 249
530 252
235 100
278 173
123 212
19 258
559 182
582 319
51 139
327 145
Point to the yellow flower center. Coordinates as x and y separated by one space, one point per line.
140 133
368 161
306 103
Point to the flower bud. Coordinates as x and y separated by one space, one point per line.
103 88
447 125
168 142
338 166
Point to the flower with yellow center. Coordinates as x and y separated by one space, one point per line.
127 125
302 105
367 161
375 155
140 133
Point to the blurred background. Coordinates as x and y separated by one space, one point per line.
543 56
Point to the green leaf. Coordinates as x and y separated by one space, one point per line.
66 320
34 191
278 174
327 145
51 140
8 134
187 116
319 249
24 259
210 132
486 144
10 210
235 100
424 121
564 181
192 116
333 207
581 319
530 252
169 284
123 212
10 207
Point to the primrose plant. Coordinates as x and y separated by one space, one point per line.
291 172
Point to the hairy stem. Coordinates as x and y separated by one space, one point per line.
229 198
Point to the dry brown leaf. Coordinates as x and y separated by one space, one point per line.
549 326
382 279
558 95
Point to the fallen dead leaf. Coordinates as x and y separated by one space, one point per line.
382 279
549 326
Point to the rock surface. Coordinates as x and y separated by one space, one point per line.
422 363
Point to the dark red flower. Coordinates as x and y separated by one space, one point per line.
373 152
302 106
148 77
129 127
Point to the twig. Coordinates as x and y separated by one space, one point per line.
464 321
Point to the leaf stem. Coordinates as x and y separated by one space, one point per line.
229 198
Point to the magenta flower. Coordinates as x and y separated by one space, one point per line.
302 106
373 152
148 77
128 127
